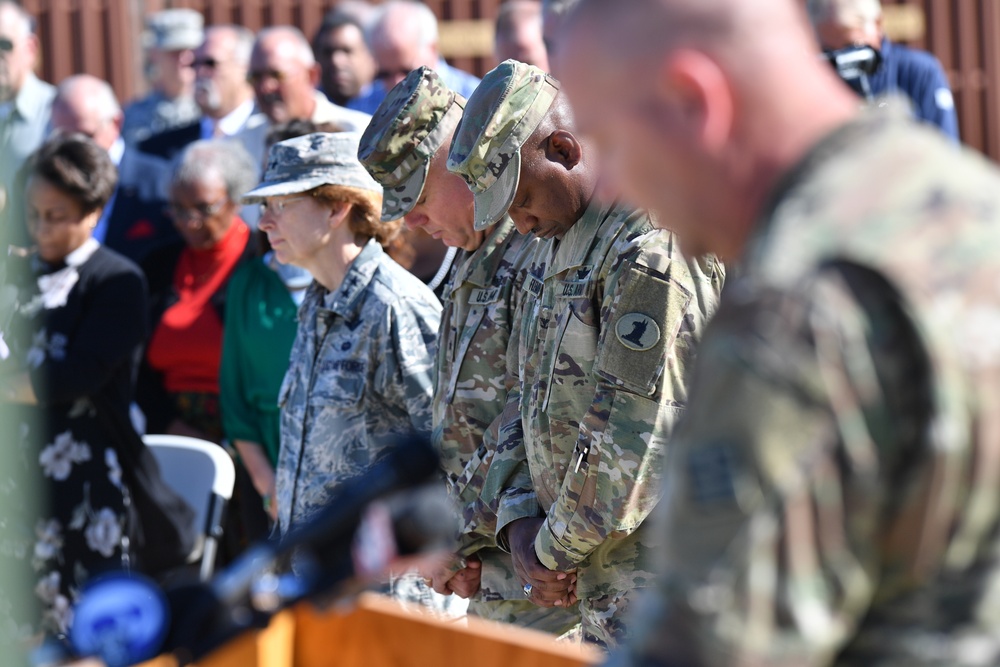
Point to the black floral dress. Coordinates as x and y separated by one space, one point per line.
76 329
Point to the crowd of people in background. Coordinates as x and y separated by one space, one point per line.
301 249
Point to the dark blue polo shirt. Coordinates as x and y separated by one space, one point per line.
919 76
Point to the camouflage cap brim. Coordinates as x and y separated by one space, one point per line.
493 202
399 200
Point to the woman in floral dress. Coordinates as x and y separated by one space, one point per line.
68 360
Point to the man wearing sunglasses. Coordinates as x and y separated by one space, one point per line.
223 94
24 110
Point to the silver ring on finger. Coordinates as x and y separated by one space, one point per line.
527 590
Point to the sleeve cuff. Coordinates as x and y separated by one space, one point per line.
553 554
521 506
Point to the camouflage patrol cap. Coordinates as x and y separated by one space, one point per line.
303 163
414 120
506 108
174 30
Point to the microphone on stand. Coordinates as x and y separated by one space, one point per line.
311 561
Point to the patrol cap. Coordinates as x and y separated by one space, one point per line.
506 108
413 121
175 30
303 163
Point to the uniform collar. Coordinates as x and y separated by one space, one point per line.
346 300
859 129
481 267
577 243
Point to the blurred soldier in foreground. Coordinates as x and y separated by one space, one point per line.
406 150
171 36
832 491
607 332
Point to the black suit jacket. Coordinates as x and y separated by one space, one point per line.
169 143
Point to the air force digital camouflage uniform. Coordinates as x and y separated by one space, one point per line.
833 497
607 332
361 368
413 123
168 30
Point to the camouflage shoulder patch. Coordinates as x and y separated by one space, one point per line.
637 331
634 357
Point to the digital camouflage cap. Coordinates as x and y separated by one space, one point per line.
304 163
506 108
414 120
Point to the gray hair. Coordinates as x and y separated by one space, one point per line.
25 21
844 12
559 7
418 14
303 50
243 42
222 158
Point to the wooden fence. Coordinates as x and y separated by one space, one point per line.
102 37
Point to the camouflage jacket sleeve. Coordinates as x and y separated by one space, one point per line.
614 475
500 490
791 490
405 377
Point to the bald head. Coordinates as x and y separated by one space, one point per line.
403 38
87 105
519 33
688 99
284 74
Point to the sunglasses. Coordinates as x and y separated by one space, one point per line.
383 74
6 45
209 63
260 76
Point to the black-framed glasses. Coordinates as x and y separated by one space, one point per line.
199 213
384 74
209 63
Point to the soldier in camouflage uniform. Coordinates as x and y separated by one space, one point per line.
607 331
361 368
405 149
171 37
832 494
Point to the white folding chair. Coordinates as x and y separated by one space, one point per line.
203 474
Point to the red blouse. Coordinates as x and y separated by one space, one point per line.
187 344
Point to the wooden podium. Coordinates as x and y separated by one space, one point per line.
380 632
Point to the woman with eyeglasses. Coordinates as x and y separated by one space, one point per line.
179 381
72 322
361 369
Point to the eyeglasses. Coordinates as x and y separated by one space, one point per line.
198 214
277 206
383 74
209 63
6 45
258 77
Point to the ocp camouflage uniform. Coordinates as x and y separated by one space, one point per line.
833 497
411 125
606 334
155 113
